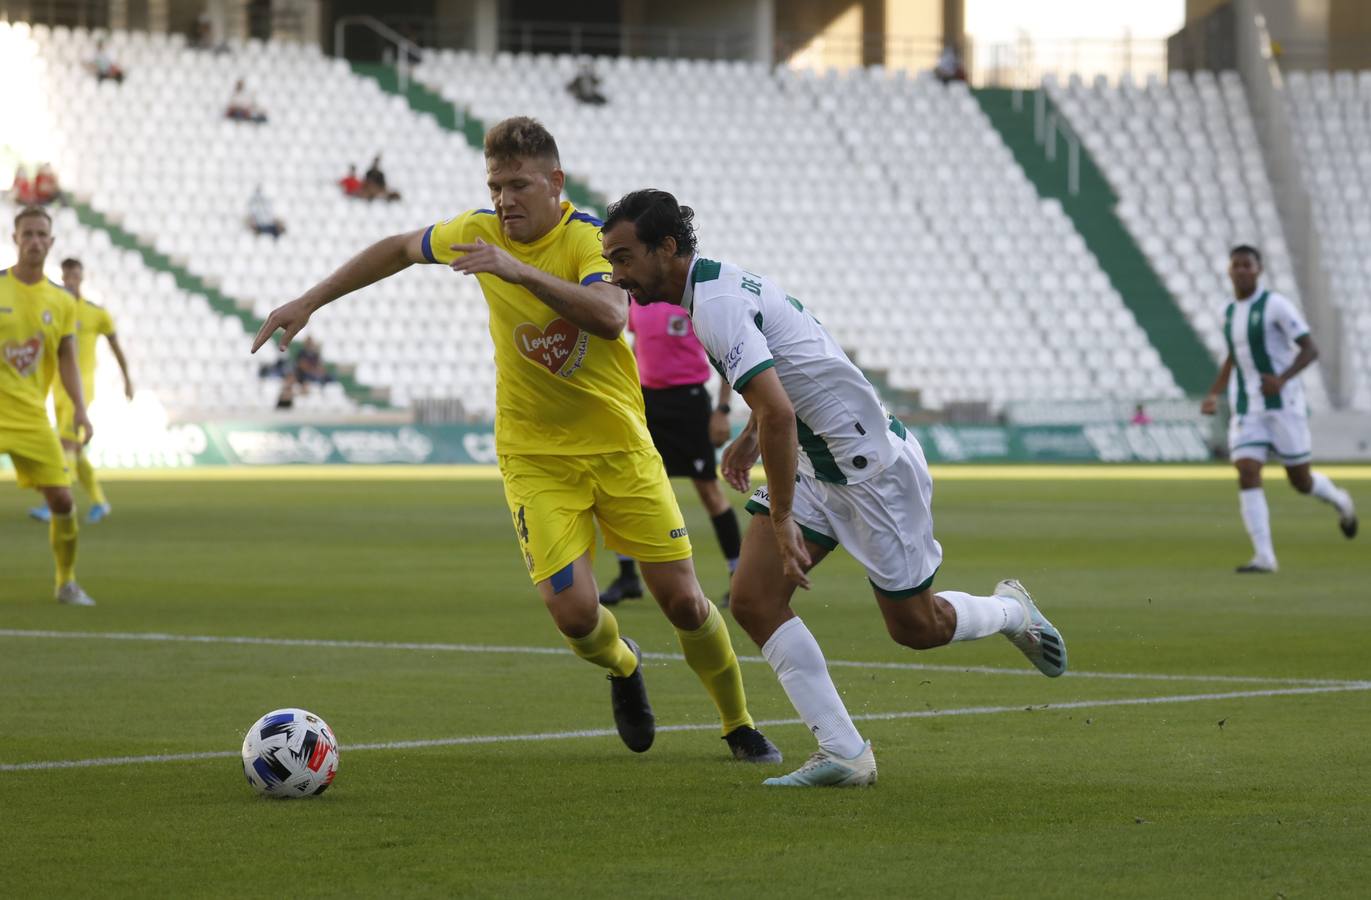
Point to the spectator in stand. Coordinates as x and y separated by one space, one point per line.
585 87
350 183
309 365
103 65
45 186
949 67
242 105
261 217
374 183
1140 416
22 191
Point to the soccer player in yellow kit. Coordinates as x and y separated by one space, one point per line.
569 423
37 337
92 321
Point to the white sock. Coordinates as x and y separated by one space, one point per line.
1330 493
979 617
1257 520
799 664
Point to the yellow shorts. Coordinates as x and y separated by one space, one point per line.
556 501
37 456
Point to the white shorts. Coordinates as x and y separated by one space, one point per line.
1283 434
885 522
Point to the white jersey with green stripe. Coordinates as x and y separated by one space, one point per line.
1261 331
748 324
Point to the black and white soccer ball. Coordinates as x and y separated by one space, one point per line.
290 753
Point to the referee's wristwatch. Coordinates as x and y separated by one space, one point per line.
723 408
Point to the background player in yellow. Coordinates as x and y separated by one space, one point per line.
37 337
92 321
569 425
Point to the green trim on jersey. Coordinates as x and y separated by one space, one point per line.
810 534
1241 406
816 448
705 270
898 428
1256 342
757 320
747 376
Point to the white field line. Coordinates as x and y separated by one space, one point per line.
709 726
561 651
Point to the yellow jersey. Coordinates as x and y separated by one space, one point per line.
91 322
559 390
33 320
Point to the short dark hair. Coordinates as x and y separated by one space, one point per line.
29 212
1249 250
521 138
71 262
655 216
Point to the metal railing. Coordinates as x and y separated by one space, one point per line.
1024 62
407 52
1047 126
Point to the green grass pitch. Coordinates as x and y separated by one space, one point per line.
1232 762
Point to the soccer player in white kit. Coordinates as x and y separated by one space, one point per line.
1268 347
861 480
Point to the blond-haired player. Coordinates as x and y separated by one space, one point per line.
570 430
37 334
92 320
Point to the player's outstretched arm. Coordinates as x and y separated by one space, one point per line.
69 369
381 260
600 307
779 442
1210 404
123 363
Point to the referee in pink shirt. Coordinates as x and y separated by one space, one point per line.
685 428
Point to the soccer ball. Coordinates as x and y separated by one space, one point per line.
290 753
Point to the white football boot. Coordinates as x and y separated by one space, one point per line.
1039 639
71 594
825 770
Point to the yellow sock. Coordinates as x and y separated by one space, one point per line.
86 473
604 647
709 652
62 536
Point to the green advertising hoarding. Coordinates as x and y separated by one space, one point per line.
257 444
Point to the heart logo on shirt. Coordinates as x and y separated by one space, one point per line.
560 347
24 357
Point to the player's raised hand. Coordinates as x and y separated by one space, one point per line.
290 318
795 559
481 257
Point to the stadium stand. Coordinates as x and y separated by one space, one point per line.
178 347
1333 142
1184 159
174 171
887 204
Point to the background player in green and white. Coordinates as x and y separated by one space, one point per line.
862 480
1268 347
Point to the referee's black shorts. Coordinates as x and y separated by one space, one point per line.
678 418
